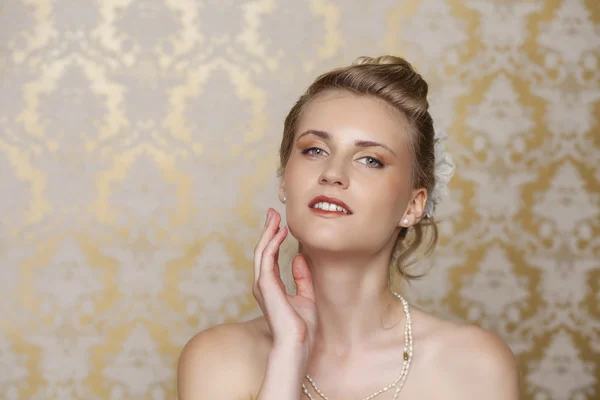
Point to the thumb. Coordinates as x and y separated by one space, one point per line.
302 277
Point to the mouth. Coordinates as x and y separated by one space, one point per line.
329 205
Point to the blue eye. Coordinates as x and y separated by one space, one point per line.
372 162
314 151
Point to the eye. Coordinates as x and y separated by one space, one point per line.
314 151
372 162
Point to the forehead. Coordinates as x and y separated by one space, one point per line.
348 116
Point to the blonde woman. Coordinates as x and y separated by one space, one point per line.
361 172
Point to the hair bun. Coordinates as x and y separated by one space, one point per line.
393 60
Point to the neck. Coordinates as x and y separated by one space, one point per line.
353 298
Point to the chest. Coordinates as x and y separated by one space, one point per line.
382 375
416 386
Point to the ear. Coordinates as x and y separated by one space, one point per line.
415 209
281 193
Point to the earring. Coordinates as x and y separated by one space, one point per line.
284 198
405 221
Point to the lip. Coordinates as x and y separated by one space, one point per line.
329 200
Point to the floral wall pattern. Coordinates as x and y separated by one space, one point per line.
138 148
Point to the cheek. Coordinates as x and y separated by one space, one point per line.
291 169
298 174
385 200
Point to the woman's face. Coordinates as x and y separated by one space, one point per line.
356 151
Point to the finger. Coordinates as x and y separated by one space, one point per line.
267 234
268 260
258 249
256 288
278 271
302 277
269 283
276 258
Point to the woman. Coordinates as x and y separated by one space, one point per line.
358 177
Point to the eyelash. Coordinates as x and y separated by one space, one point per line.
308 151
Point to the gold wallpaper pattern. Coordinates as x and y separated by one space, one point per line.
138 149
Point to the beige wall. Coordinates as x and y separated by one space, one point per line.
138 147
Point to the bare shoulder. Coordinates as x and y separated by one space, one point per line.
226 362
472 362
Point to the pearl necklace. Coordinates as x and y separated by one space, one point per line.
408 352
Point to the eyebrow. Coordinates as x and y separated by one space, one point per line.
360 143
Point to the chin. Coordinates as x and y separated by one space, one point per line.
315 237
353 235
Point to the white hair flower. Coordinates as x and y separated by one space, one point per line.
443 171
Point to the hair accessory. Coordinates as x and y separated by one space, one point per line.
443 171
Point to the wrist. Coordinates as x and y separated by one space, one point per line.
291 353
285 372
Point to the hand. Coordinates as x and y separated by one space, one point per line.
292 319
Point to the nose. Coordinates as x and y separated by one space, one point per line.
334 174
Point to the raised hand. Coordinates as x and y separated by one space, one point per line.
291 319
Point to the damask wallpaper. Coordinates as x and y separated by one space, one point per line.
138 149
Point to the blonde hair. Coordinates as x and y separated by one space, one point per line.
395 81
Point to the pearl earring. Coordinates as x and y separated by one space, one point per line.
284 198
405 221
